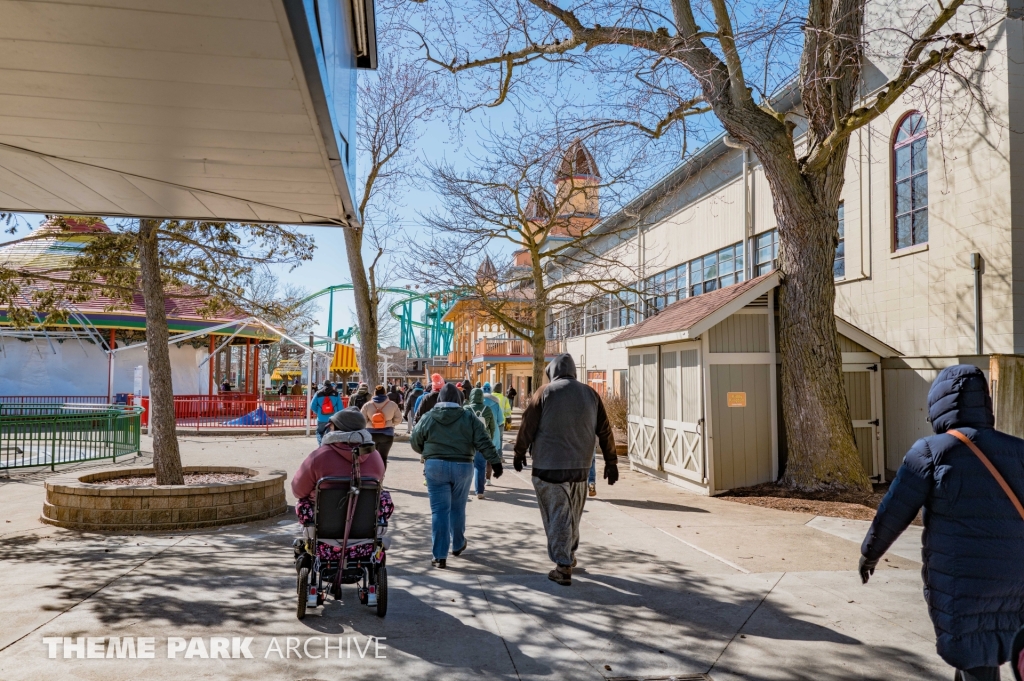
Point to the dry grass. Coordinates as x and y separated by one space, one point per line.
850 505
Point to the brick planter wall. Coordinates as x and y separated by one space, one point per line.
83 502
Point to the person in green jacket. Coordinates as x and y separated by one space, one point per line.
448 438
483 412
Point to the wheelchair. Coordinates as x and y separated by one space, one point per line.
343 512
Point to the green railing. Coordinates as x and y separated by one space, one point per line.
37 434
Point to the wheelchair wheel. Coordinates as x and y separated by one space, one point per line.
303 590
382 591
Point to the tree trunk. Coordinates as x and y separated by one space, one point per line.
366 308
166 457
538 343
822 453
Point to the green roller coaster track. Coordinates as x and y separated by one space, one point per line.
436 336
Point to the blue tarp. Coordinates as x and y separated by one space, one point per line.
253 418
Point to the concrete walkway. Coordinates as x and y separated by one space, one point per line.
669 585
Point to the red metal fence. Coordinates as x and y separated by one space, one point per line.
205 412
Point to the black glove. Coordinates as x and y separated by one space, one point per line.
519 461
496 469
866 568
611 473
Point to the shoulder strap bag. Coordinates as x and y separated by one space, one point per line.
991 469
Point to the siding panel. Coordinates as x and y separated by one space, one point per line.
742 435
740 333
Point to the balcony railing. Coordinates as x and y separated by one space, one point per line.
508 347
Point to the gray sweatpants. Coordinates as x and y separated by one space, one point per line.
561 508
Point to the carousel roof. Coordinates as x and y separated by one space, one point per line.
53 245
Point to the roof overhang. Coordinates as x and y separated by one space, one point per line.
700 326
239 111
864 338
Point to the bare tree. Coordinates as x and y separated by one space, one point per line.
288 307
394 102
555 255
659 66
205 261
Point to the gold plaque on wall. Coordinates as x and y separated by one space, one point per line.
736 399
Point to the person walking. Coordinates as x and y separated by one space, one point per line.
560 425
382 415
324 405
511 394
467 387
969 479
483 413
447 438
396 396
490 399
410 405
361 397
428 400
506 405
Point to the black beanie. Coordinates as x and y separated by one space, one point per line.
449 393
348 420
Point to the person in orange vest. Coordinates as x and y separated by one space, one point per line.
382 415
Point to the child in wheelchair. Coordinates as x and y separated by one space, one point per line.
344 513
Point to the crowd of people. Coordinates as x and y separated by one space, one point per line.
458 430
967 480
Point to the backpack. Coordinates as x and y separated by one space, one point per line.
480 416
327 406
377 420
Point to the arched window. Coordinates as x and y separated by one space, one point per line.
910 178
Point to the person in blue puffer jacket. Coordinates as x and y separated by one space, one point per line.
973 542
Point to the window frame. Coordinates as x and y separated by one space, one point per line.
893 146
841 214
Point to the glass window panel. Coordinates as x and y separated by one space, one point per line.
738 260
710 285
727 280
903 235
920 226
725 265
903 204
842 219
696 272
839 265
920 193
710 266
919 161
902 162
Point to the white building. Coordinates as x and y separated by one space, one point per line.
919 210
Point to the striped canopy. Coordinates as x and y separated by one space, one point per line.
344 361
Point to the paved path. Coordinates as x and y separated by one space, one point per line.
669 584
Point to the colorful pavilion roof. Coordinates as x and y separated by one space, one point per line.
53 246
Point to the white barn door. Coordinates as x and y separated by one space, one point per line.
682 411
643 407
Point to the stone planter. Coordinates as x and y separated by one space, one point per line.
83 502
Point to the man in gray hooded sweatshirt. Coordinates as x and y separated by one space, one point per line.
559 427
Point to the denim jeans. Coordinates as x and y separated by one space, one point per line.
480 468
321 429
592 478
447 486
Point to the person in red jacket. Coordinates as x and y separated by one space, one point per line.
346 439
346 434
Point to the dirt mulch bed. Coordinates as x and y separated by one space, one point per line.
190 479
850 505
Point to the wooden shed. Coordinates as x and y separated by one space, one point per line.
703 390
